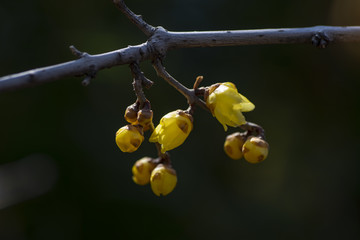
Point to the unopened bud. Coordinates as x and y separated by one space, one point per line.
131 113
129 138
144 117
233 145
142 170
255 149
163 180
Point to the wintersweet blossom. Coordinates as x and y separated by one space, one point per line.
227 104
172 130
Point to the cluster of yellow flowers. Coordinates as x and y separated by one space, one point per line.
130 137
224 102
227 105
171 132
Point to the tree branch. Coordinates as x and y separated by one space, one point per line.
87 64
314 35
161 41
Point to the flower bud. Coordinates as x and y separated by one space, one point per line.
227 105
144 117
255 149
233 145
163 180
142 170
172 130
131 113
129 138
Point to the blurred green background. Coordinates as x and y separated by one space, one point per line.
63 177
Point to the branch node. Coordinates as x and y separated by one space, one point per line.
78 53
90 74
86 81
320 40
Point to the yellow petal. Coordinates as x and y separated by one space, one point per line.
155 134
246 105
229 84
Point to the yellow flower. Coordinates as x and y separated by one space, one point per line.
173 129
129 138
142 170
227 105
255 150
163 180
233 145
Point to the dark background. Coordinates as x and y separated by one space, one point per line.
63 177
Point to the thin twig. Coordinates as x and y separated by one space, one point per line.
160 70
189 94
137 83
135 68
76 52
146 28
198 82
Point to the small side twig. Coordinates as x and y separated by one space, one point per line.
189 94
146 28
137 83
76 52
160 70
198 82
86 81
135 69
